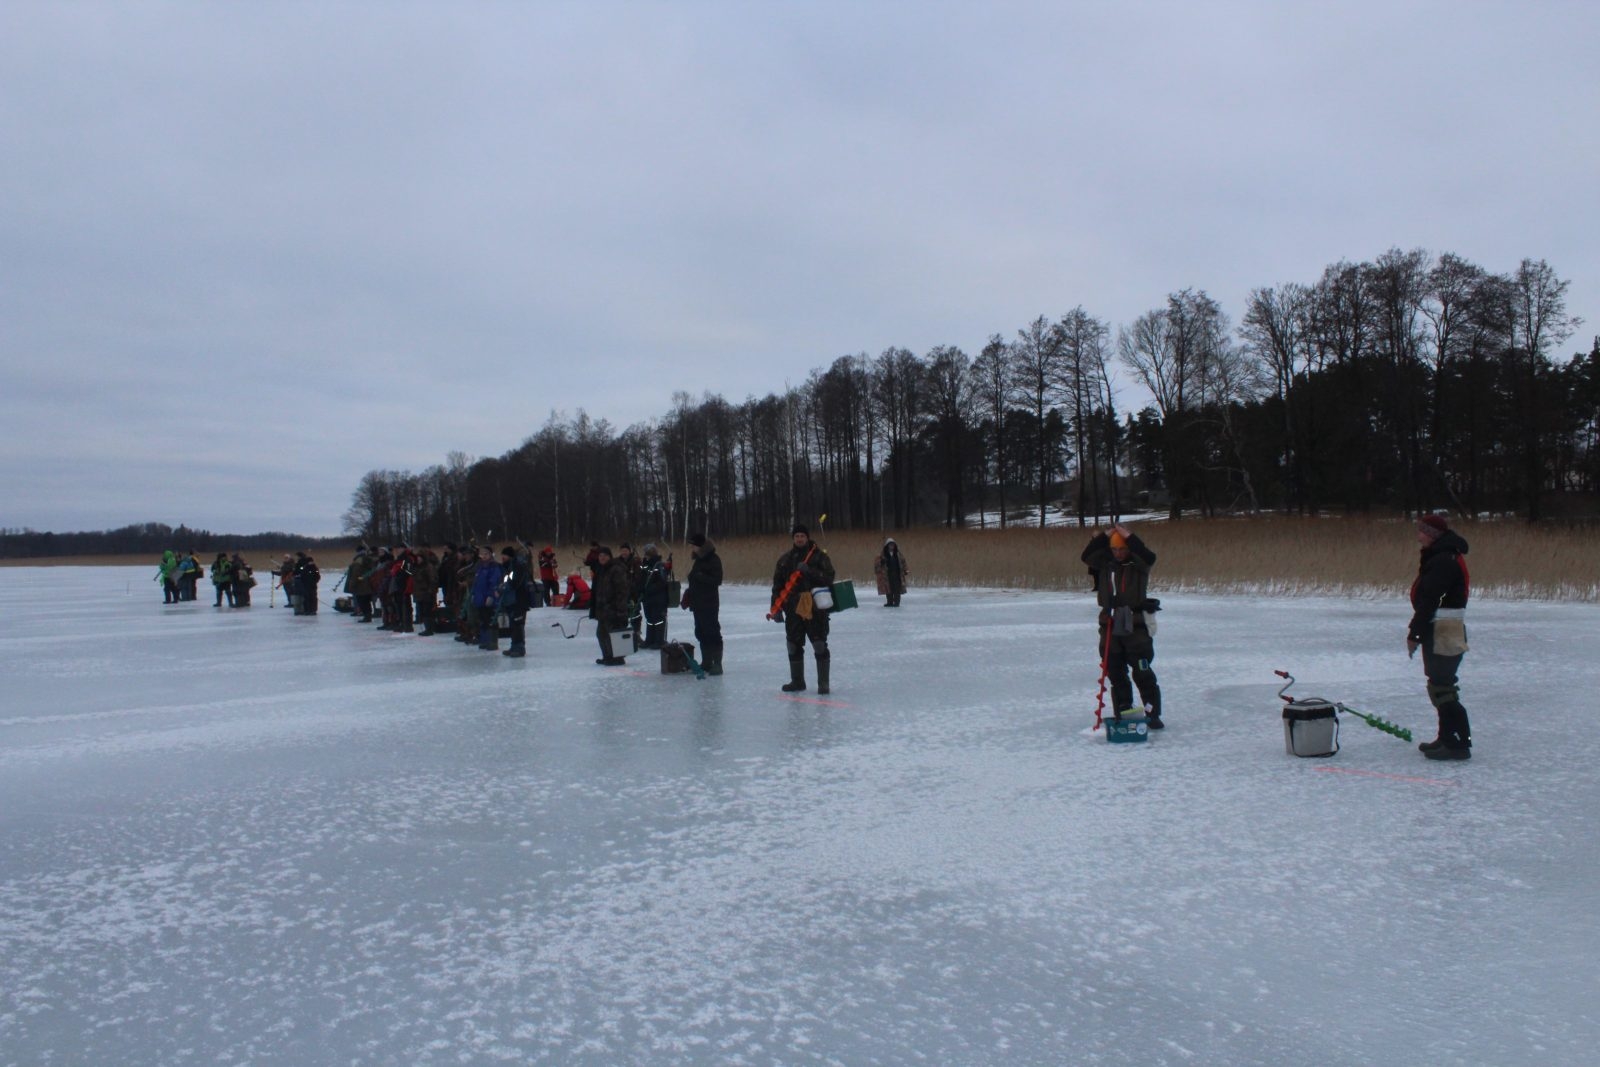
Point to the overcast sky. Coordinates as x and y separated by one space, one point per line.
250 251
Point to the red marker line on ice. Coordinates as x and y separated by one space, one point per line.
1380 774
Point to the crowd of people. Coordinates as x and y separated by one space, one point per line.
480 596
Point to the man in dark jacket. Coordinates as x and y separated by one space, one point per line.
516 596
653 597
1438 627
703 597
1121 564
609 603
800 570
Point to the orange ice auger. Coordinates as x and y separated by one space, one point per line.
788 587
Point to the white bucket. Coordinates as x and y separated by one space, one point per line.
822 598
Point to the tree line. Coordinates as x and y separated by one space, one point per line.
1403 383
144 538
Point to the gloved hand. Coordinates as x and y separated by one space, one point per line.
1411 647
776 616
683 602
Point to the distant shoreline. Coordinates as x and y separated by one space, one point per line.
257 558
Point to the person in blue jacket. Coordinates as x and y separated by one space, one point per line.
486 598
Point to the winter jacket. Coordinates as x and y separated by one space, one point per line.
515 582
358 576
486 583
547 566
890 570
425 581
705 576
1124 584
653 586
815 572
611 595
222 572
1442 582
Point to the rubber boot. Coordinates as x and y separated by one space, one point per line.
822 673
713 663
797 676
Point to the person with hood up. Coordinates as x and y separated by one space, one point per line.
653 597
702 595
800 570
891 571
1438 627
516 597
358 583
1121 564
167 575
306 580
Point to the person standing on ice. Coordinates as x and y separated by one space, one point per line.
609 605
485 597
800 570
702 595
890 570
1121 564
1438 600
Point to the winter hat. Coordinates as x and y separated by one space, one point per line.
800 528
602 550
509 550
697 539
1433 525
1117 540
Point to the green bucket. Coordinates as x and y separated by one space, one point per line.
1130 729
844 595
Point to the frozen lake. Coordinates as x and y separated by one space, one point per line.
232 837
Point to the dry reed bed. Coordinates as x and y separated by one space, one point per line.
1271 556
1256 556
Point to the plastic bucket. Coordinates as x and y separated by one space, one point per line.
1130 729
822 598
844 595
1311 728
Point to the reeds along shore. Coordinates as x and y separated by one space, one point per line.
1282 556
1285 556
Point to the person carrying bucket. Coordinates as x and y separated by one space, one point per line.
1438 627
800 570
1120 564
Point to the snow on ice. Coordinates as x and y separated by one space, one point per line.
248 837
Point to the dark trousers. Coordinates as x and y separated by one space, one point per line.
1454 728
364 606
1131 653
798 631
655 624
708 633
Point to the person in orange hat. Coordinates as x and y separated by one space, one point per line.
1120 564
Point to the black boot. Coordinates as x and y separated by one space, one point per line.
797 676
713 663
822 673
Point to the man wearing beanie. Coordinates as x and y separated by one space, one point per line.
1121 564
800 570
702 596
609 605
1438 627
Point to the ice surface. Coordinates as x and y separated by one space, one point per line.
247 837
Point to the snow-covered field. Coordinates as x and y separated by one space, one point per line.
246 837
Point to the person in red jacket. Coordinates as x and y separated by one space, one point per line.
549 576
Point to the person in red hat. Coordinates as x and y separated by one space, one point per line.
1438 627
